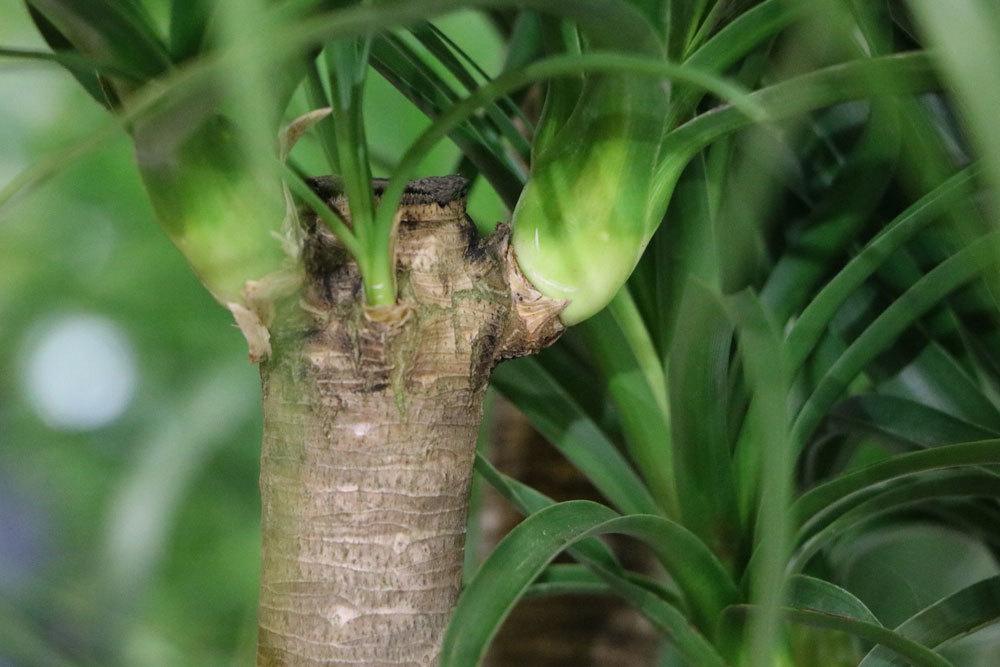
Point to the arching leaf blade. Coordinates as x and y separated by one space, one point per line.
522 556
951 618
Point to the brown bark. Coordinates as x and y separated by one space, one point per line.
370 421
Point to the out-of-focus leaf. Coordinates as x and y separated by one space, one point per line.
699 388
767 381
827 495
147 497
953 617
914 653
188 26
936 378
78 65
814 594
27 644
901 74
87 77
823 306
954 272
857 189
873 503
964 34
903 420
109 30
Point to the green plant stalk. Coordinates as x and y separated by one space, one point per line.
375 262
347 62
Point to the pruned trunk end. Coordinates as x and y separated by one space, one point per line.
370 423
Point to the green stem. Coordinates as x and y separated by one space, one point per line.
379 278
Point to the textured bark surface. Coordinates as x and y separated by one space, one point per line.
370 425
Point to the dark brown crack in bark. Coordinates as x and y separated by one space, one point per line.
370 422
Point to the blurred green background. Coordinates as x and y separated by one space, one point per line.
129 426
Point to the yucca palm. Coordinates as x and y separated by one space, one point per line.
767 312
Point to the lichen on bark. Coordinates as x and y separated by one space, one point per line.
370 422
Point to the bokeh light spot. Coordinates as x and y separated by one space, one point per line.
80 372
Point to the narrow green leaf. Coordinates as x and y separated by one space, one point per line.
858 188
946 456
901 74
523 554
683 19
914 653
872 503
328 215
613 24
767 382
558 580
746 32
590 552
951 274
528 501
471 76
188 26
699 398
814 320
74 62
562 95
410 73
810 593
111 31
563 423
319 97
635 380
951 618
903 420
581 580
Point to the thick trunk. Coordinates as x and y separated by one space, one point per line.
370 426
